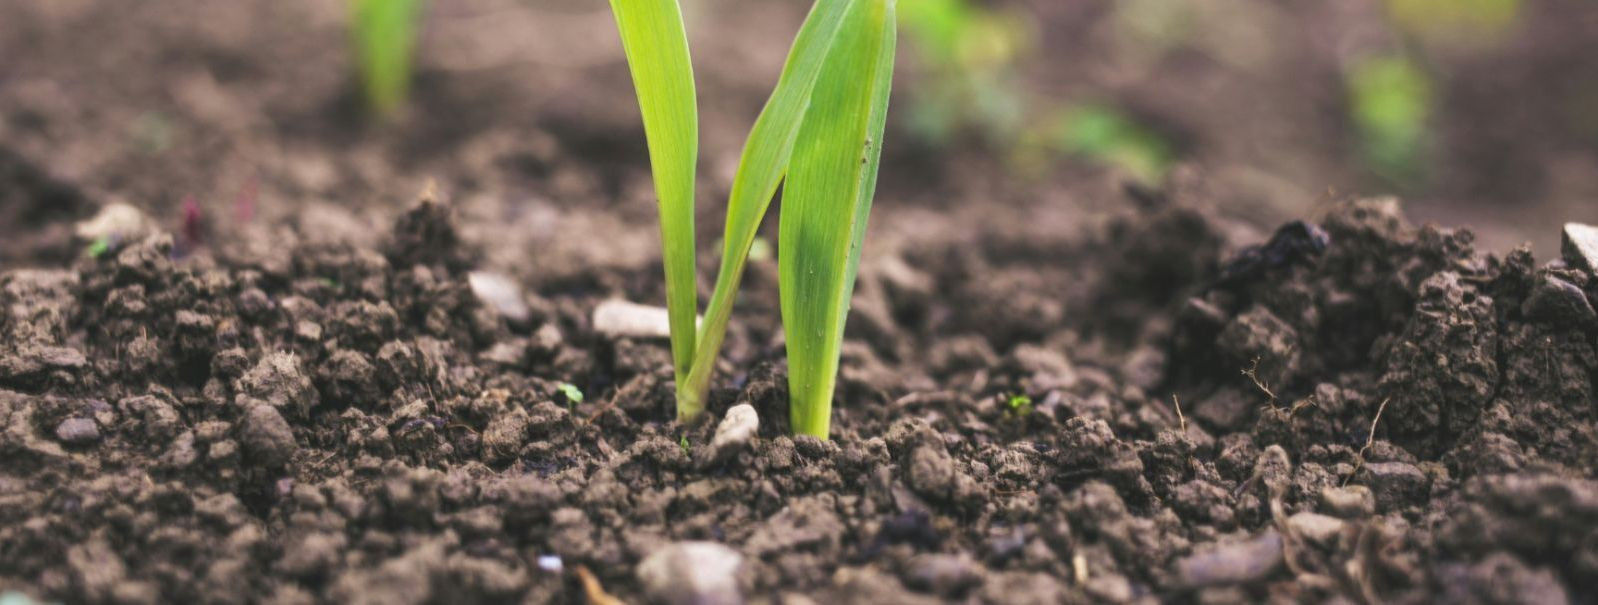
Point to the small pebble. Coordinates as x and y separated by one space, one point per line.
1316 527
734 432
1234 563
1580 246
942 573
1348 502
621 319
692 573
75 431
1559 302
551 563
117 220
500 293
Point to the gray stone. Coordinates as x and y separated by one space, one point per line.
1561 303
77 431
621 319
118 220
1348 502
1316 527
734 432
692 573
1232 563
500 293
943 574
1580 246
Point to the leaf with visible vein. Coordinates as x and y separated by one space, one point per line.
760 169
656 45
826 201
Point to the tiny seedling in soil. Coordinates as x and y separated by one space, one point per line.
819 136
683 442
1018 404
573 394
383 33
98 247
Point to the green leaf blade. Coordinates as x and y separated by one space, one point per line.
656 45
384 35
761 168
826 201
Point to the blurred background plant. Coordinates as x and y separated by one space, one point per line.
1390 99
384 37
968 60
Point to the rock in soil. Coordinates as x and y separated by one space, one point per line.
692 573
1350 502
1580 245
1233 563
734 431
621 319
77 431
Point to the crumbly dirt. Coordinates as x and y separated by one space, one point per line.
349 423
291 384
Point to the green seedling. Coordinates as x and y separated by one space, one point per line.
1019 404
682 442
98 247
967 55
573 394
1105 135
820 130
1390 98
383 33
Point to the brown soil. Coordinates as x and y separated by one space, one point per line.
296 396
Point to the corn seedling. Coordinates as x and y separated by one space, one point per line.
820 130
384 34
1390 99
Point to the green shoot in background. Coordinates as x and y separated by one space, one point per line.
1107 136
384 33
1390 99
1457 23
839 46
968 57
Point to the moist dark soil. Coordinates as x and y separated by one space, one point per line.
286 377
1359 411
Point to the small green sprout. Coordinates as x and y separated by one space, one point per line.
1390 97
98 247
1019 404
683 443
968 54
1108 136
820 133
384 36
573 394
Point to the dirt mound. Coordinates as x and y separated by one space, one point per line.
1356 409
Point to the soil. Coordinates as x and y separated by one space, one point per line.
312 384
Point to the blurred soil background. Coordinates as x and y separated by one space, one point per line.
1479 112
